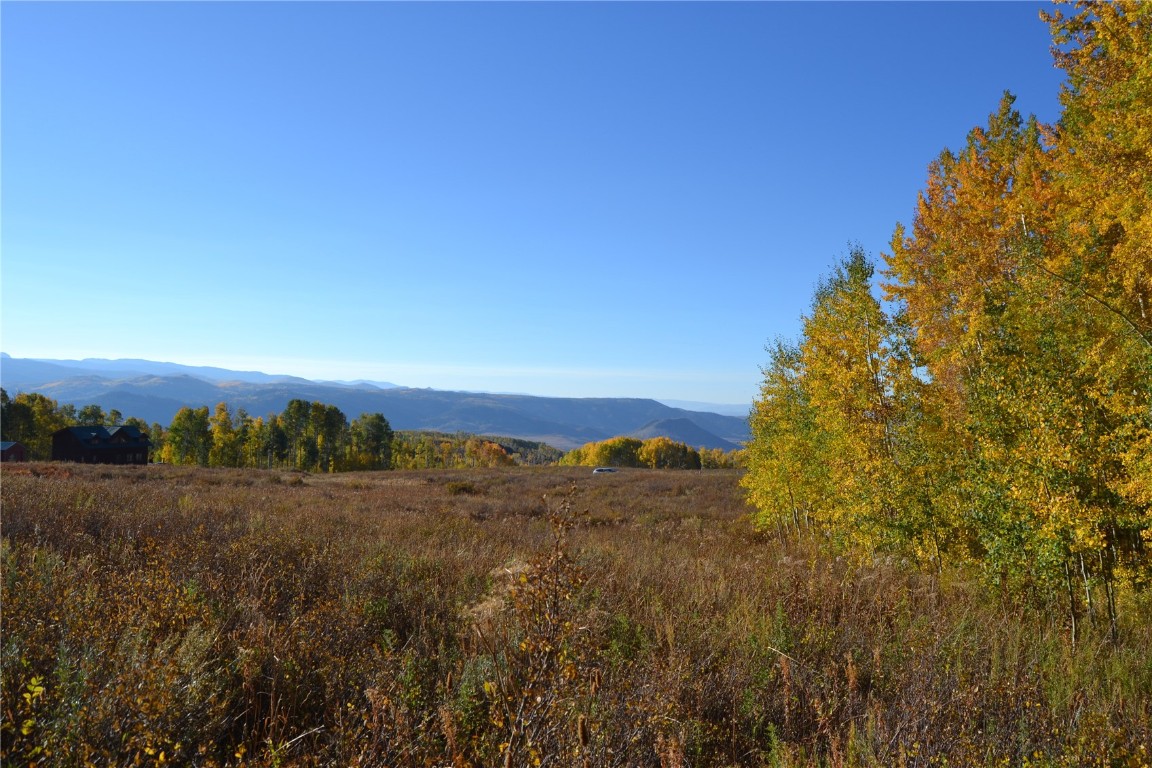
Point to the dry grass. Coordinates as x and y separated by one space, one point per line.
512 617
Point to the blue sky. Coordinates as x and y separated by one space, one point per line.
570 199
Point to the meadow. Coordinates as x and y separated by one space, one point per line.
513 617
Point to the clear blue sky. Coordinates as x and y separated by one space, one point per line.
575 199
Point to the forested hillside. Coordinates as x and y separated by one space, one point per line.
994 406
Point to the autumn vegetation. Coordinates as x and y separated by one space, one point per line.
195 616
654 453
996 413
937 554
317 437
307 436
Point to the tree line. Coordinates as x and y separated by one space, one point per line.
440 450
993 405
316 437
654 453
310 436
306 436
32 418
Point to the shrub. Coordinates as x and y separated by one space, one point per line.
376 619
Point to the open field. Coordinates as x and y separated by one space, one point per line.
514 617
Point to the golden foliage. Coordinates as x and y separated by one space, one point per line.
1003 414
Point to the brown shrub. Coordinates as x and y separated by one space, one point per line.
220 618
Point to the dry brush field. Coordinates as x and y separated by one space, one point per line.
166 615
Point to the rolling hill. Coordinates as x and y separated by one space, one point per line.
683 430
154 392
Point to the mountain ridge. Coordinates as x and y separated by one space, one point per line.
683 430
139 388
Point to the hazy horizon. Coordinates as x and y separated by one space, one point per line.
730 409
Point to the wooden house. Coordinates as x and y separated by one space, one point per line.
101 445
13 451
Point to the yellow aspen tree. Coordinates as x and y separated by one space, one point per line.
1033 346
32 418
225 448
952 273
969 292
853 372
1103 164
831 427
786 480
665 453
189 438
1103 154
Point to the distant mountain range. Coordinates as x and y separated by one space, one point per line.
155 391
